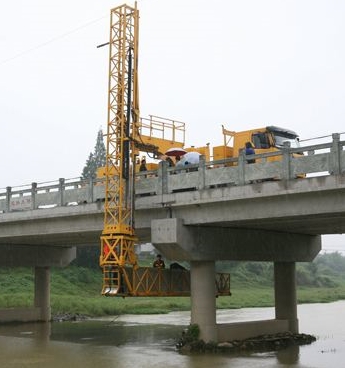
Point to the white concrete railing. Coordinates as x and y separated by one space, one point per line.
320 159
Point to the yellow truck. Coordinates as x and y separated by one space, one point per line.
163 134
266 139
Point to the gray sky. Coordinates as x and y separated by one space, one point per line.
243 63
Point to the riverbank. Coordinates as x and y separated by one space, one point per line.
76 291
246 297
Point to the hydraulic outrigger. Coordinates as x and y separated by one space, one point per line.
121 274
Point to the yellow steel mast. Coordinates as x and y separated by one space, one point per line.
118 235
121 274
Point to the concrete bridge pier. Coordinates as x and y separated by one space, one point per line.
202 246
41 259
203 300
285 294
42 293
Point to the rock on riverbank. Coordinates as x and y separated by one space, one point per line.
63 317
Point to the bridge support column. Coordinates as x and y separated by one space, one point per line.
285 293
42 292
203 300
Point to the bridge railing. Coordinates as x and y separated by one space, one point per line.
64 192
286 164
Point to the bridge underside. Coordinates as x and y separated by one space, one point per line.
202 246
197 243
36 256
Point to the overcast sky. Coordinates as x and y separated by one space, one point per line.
242 63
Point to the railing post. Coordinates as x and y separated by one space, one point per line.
8 199
33 195
90 191
286 162
335 164
61 190
202 171
241 167
162 178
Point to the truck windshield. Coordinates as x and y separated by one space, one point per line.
280 138
282 135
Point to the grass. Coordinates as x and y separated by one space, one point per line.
321 295
77 290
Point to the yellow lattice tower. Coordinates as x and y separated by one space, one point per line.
118 235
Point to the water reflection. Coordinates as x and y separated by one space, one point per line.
149 341
114 334
289 355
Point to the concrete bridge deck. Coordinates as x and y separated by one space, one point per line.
309 206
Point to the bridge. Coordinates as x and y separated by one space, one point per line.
273 210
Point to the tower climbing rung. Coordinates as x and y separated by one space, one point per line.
111 280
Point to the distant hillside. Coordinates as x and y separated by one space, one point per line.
327 270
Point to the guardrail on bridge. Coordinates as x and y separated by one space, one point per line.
287 164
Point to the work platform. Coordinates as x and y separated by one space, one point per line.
149 281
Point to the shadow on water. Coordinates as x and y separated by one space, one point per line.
115 334
95 332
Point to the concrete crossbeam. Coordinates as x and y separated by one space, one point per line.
36 256
198 243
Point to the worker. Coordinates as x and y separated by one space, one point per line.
142 166
249 150
159 263
169 161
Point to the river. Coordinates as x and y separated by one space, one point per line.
148 341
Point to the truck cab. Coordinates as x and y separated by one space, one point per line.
266 139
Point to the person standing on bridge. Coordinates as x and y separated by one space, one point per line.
142 166
249 150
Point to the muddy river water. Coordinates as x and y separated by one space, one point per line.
149 341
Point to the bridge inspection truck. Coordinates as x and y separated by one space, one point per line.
122 275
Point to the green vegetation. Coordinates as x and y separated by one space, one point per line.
76 289
96 159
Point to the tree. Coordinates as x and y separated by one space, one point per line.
96 159
100 152
88 256
90 168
